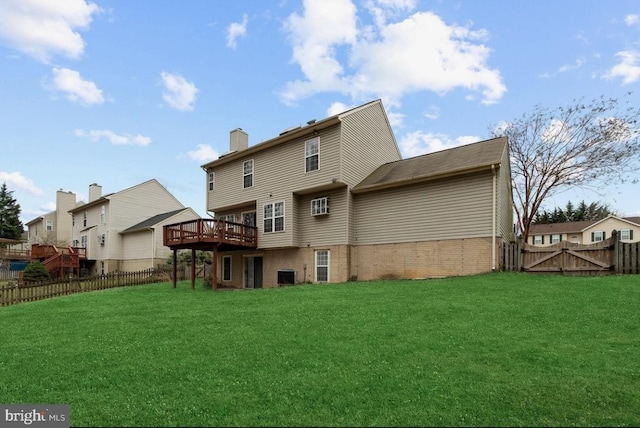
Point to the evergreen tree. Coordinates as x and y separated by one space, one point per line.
593 211
10 224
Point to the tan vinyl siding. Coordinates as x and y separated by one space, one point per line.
331 229
505 201
369 143
281 169
458 207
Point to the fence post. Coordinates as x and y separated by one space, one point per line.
616 253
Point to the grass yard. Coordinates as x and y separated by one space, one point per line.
491 350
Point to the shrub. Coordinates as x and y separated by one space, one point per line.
35 271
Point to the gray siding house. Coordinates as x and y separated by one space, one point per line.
334 201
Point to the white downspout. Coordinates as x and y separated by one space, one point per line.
494 202
153 246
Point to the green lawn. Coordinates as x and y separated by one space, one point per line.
489 350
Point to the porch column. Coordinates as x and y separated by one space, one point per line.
175 267
214 269
193 269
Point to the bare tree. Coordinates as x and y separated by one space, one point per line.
580 145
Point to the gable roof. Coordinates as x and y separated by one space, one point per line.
151 221
575 226
458 160
288 135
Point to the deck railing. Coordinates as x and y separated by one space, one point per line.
214 231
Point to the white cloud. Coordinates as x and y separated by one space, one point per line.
419 142
628 68
432 113
337 108
235 30
44 28
632 19
203 153
179 93
75 87
96 135
16 181
418 53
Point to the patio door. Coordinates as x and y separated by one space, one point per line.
253 272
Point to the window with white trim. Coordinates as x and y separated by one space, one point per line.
538 240
84 219
247 174
597 236
83 241
322 265
312 154
102 214
320 206
555 238
212 178
229 217
49 225
226 268
626 235
274 217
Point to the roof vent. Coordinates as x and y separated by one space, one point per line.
311 122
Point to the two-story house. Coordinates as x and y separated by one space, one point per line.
585 232
54 227
334 201
122 231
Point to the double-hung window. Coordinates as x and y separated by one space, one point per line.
247 174
49 225
312 154
538 240
322 266
212 178
597 236
626 235
274 217
555 238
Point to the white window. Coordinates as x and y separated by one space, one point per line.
49 225
312 154
83 241
322 266
320 206
555 238
102 216
274 217
626 235
212 177
247 174
597 236
538 240
226 268
84 219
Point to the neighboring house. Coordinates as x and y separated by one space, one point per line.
333 201
53 228
122 231
585 232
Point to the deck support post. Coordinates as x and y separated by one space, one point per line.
193 269
175 267
214 269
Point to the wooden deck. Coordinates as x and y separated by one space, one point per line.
207 234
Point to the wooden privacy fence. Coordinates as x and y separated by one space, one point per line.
17 293
604 257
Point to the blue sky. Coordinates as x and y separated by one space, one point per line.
117 92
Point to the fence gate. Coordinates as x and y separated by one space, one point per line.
569 257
